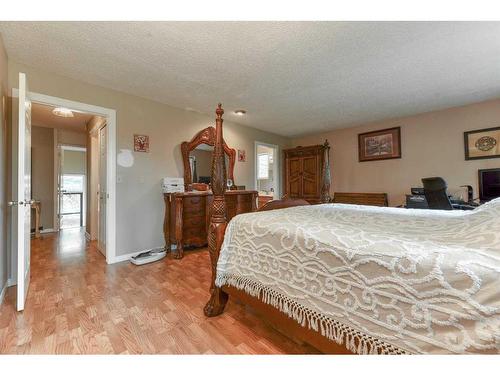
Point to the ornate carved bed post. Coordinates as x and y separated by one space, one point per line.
326 175
218 222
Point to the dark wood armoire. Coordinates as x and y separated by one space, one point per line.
307 173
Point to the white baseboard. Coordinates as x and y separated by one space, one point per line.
2 293
48 230
125 257
8 284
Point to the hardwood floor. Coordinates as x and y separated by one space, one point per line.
79 305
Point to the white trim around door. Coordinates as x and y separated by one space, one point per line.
110 115
277 161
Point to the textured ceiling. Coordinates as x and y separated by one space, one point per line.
41 115
292 77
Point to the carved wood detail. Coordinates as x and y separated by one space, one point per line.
206 136
178 228
218 298
166 222
326 177
218 222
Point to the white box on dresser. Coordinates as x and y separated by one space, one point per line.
172 185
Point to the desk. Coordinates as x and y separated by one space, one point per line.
37 206
419 201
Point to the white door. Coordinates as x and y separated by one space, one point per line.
22 205
102 190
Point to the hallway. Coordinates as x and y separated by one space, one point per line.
79 305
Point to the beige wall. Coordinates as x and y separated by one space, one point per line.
139 199
42 172
3 166
432 145
71 138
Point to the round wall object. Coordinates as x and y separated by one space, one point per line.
125 158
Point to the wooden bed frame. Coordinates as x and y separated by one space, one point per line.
367 199
219 296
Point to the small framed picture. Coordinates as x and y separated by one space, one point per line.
242 155
141 143
380 144
482 144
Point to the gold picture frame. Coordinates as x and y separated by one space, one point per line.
380 144
482 144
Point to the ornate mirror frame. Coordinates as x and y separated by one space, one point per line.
205 136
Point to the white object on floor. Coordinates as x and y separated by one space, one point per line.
148 257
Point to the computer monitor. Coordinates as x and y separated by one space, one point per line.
489 184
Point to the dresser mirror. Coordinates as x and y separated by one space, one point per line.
200 164
197 159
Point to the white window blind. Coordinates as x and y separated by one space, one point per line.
263 166
73 182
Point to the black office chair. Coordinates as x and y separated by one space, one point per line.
435 193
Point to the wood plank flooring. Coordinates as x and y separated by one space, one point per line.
79 305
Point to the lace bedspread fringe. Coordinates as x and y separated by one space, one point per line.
353 340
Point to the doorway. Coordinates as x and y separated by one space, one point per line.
19 259
72 187
58 168
267 178
109 164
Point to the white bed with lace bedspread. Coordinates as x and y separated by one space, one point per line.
378 280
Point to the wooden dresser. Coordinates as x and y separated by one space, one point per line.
304 173
187 215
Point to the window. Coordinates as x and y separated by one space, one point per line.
71 209
73 182
263 166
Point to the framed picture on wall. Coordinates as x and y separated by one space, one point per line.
242 155
380 144
482 144
141 143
